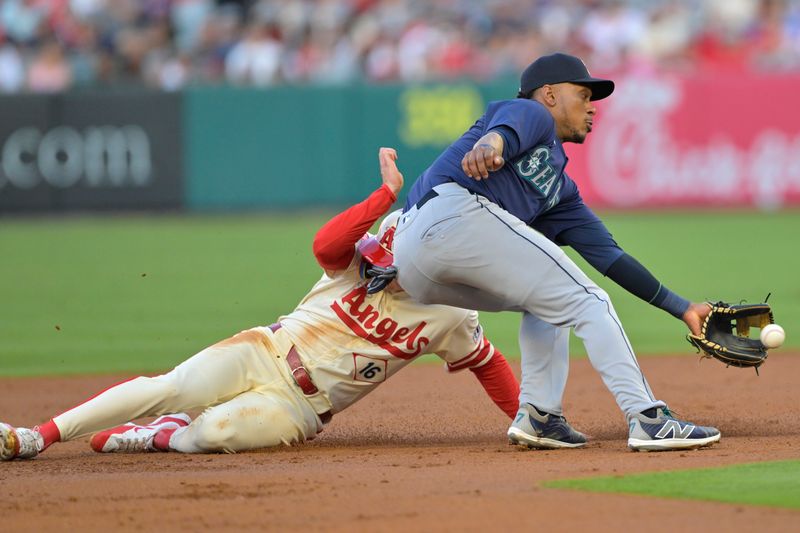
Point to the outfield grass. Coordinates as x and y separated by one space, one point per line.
771 484
143 292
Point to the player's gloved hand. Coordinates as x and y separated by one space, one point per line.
695 315
379 277
725 334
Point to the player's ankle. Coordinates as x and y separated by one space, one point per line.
161 439
49 432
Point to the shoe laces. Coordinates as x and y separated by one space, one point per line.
672 414
136 438
134 444
30 442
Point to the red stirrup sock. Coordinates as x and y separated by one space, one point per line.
49 432
161 439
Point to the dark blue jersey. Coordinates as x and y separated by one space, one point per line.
532 185
532 180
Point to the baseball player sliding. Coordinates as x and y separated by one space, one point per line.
482 227
281 384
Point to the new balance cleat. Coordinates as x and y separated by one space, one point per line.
19 443
536 430
663 432
132 438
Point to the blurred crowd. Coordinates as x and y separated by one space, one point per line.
51 45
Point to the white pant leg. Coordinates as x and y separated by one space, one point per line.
544 365
268 417
214 375
460 249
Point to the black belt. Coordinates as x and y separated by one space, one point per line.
430 195
301 376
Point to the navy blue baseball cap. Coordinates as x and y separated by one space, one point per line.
561 68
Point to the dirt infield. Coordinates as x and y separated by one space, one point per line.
425 452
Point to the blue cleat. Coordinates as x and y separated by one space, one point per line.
548 431
662 431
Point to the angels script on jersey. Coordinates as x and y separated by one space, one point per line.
363 320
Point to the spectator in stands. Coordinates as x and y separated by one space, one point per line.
12 71
49 71
172 43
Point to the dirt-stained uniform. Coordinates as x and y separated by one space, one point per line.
282 383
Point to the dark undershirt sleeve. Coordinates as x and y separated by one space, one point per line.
593 241
632 276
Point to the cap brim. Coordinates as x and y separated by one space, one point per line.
600 88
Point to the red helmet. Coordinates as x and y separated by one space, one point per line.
377 249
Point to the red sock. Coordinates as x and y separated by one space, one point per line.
161 439
50 433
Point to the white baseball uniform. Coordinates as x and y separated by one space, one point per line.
348 343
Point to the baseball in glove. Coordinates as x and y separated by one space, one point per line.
725 334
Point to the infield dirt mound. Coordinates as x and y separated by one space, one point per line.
425 452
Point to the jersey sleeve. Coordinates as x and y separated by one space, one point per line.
334 243
529 121
594 243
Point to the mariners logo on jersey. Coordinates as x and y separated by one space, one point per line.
534 167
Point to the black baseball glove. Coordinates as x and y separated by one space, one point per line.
379 277
725 334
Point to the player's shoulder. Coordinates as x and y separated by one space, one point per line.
522 115
518 105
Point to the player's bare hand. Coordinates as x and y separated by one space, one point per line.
390 174
478 162
695 316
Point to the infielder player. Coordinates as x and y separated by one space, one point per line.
481 229
281 384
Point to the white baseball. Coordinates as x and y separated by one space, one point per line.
772 336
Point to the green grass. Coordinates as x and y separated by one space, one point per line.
143 292
773 484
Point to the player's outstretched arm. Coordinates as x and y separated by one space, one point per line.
390 174
334 243
594 243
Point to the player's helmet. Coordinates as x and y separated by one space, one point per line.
377 249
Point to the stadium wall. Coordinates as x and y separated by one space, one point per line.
287 147
91 150
666 141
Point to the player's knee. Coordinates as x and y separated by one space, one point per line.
421 296
215 432
602 295
246 428
594 296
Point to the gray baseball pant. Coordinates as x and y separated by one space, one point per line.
461 249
